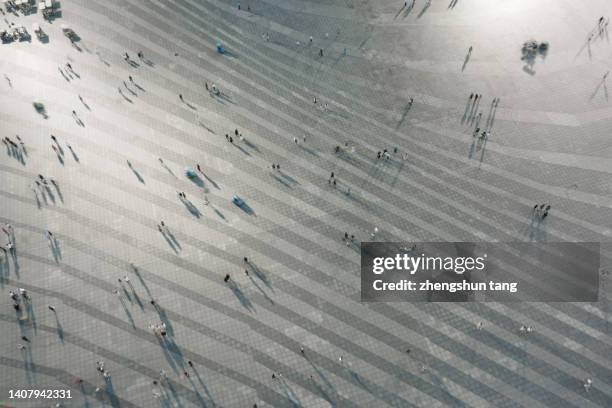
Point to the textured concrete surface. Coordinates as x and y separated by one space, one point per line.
549 142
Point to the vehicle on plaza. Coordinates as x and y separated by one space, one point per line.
190 173
220 48
237 201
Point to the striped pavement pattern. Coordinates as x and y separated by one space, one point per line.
549 143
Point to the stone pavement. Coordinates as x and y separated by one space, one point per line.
549 142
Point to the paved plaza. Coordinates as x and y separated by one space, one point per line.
315 87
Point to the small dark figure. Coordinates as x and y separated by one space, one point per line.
227 278
321 52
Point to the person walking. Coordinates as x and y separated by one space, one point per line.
588 383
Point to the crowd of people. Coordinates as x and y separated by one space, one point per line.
20 297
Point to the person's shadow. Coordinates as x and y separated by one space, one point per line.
137 174
465 61
427 4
